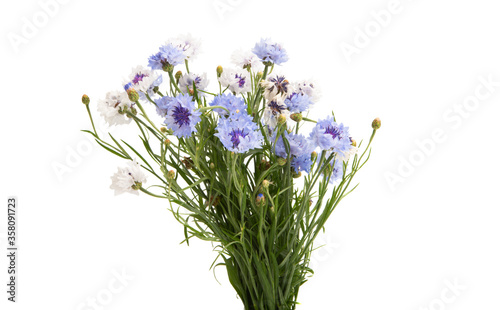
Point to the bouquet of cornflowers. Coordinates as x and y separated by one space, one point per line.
233 164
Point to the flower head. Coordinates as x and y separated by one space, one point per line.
181 115
270 52
247 60
140 79
309 88
276 87
273 110
298 103
128 179
234 104
239 135
238 81
335 169
300 150
114 107
188 44
330 136
168 57
187 80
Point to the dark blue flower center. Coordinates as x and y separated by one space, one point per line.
181 116
138 78
275 107
241 81
280 83
334 131
235 136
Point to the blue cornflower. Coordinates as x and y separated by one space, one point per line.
168 57
156 83
181 115
338 170
162 105
300 151
229 101
239 135
269 51
298 103
329 135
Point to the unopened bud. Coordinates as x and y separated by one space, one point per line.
376 123
314 155
212 166
281 161
219 71
178 75
260 74
260 200
168 67
265 183
191 91
133 95
171 175
296 117
296 175
281 119
163 129
353 142
85 100
167 142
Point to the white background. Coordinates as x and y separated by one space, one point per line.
391 245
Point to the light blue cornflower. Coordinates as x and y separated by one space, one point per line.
181 115
269 51
239 134
300 151
298 103
331 136
229 101
168 56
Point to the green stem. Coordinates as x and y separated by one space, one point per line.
91 120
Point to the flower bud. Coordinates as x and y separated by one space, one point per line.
296 175
314 155
260 74
163 129
212 166
296 117
171 175
281 161
133 95
191 91
178 75
353 142
85 100
137 186
281 119
167 142
219 71
188 162
265 183
376 123
260 200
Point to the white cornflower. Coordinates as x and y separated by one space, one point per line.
272 112
276 88
114 108
238 81
188 44
345 156
246 59
141 79
128 179
308 87
186 82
